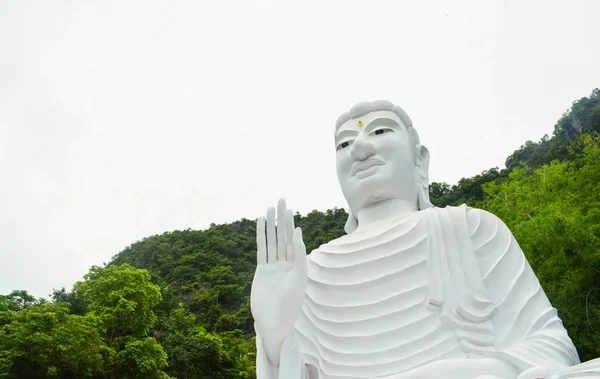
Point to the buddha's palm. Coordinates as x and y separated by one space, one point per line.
279 283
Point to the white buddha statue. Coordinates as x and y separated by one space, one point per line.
412 291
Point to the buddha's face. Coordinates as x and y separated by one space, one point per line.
375 160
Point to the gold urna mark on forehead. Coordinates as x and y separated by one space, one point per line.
360 123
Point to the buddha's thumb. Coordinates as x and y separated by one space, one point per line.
299 249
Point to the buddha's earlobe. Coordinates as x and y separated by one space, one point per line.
423 177
424 201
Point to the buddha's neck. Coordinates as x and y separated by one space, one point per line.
383 211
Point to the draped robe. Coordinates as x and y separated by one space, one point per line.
436 284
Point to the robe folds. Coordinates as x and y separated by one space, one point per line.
442 283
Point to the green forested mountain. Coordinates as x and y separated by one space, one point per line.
177 304
582 118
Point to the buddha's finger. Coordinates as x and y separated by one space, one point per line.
299 250
289 234
281 253
261 241
271 238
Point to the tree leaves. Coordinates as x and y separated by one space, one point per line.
122 297
45 339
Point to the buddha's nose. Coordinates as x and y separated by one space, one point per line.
362 149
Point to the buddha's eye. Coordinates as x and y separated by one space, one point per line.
380 131
343 145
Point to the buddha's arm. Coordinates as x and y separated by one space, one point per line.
528 332
290 365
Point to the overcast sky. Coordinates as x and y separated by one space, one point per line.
124 119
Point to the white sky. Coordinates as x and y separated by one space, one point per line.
124 119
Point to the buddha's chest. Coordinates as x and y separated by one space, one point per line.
387 269
371 299
367 306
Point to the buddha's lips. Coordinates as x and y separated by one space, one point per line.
366 165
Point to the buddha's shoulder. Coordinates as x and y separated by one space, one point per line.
316 253
478 220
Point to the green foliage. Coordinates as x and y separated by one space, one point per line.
468 190
46 341
195 353
141 358
76 303
16 300
582 118
123 298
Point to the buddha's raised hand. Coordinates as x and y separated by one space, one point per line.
279 283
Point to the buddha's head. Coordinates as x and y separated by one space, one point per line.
379 157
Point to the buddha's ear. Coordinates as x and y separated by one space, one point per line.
422 164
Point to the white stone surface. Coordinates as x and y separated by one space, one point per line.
412 291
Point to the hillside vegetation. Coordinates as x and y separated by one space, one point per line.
177 304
